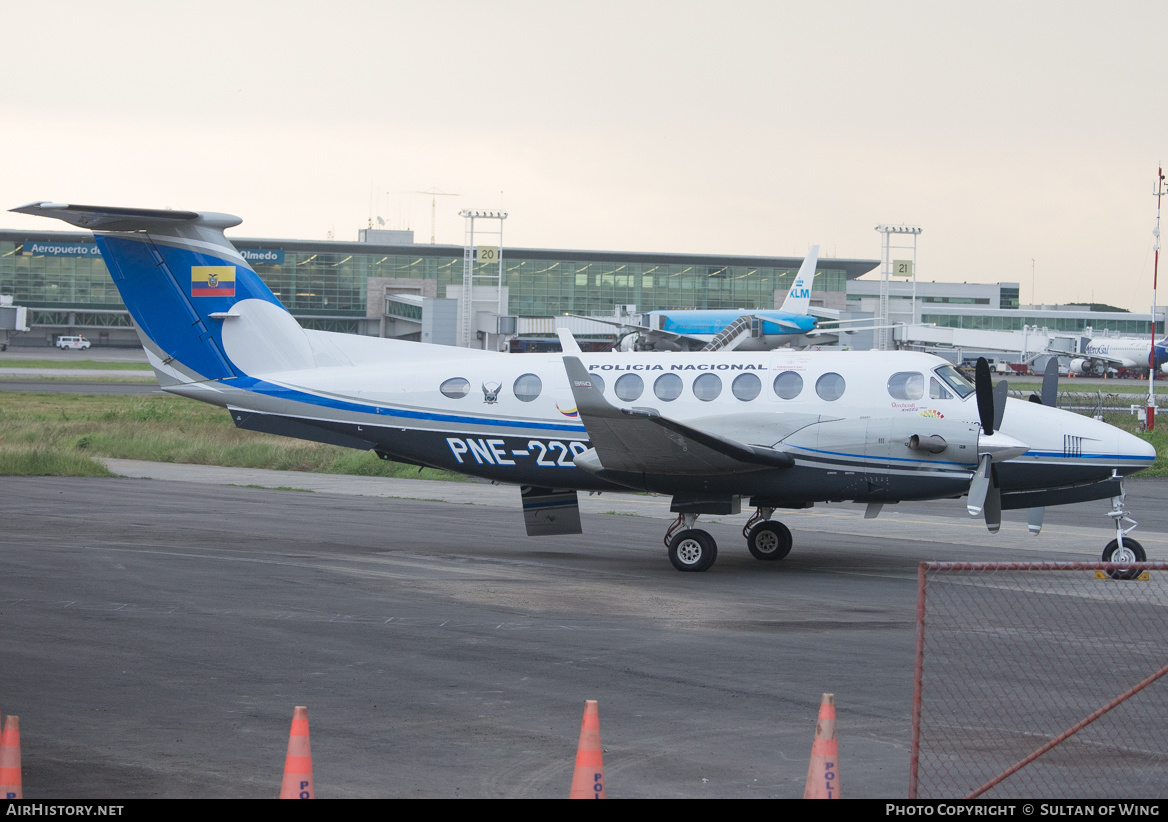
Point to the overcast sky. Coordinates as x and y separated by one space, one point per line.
1009 131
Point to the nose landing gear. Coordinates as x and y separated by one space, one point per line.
1123 549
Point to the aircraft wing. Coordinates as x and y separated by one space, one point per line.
640 440
1111 359
644 329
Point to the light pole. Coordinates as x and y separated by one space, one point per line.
1150 414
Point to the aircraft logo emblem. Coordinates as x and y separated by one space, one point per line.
929 413
491 392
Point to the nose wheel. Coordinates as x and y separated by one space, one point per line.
1123 550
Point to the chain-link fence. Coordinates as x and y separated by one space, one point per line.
1041 680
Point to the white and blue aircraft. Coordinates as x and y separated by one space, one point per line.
782 429
1120 352
734 329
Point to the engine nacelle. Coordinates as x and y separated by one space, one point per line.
1081 366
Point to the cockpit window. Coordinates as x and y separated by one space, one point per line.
938 391
955 380
906 385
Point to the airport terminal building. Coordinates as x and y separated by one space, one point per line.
366 287
387 285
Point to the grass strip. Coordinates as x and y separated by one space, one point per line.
165 428
88 365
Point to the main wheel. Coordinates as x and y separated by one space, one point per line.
692 550
1132 551
769 540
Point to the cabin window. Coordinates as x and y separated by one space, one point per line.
667 387
527 387
597 381
788 385
746 387
707 387
906 385
938 391
629 387
456 388
830 386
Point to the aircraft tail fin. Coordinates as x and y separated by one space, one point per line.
799 297
201 311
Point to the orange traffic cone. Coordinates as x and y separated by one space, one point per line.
298 762
10 759
588 779
823 781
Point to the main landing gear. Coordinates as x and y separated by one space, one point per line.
691 549
1123 549
766 538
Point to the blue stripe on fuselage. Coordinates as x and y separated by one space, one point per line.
269 389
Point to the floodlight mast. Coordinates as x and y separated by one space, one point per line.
1150 415
885 332
471 257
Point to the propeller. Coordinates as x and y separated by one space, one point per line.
984 497
1049 385
1049 398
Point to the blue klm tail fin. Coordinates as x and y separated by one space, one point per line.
799 297
202 312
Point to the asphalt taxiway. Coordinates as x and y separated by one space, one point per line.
157 633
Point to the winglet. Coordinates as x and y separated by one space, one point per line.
567 342
589 399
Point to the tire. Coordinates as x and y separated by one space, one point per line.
769 540
1133 552
692 550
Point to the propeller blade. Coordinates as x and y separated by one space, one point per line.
993 508
1034 520
1050 382
985 394
979 487
1001 391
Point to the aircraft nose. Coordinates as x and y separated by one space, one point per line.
1136 452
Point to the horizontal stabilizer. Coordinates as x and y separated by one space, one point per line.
113 218
640 440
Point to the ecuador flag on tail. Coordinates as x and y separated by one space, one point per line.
212 281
